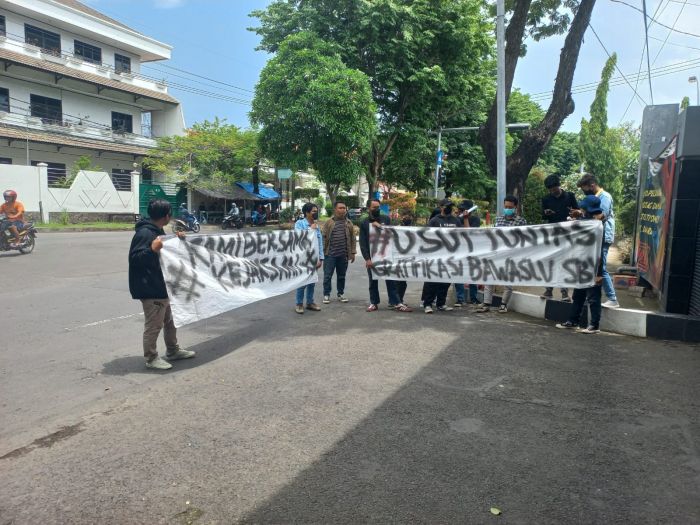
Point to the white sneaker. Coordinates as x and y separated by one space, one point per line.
326 299
445 308
180 354
503 309
342 298
158 364
428 309
611 304
589 330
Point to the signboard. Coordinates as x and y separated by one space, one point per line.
284 173
654 216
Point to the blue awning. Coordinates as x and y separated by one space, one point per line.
263 192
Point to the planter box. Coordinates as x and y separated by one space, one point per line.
624 281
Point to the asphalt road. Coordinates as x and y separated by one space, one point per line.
332 417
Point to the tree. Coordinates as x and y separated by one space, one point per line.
314 111
538 19
427 61
685 103
210 154
561 154
601 147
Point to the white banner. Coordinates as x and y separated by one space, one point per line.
560 255
210 274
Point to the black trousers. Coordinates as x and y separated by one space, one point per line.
579 302
435 291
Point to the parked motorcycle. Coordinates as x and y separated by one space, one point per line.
183 225
27 237
232 221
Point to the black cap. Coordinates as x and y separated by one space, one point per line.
466 204
446 202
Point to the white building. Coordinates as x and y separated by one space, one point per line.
71 86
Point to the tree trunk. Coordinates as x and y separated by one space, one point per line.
375 161
521 161
332 190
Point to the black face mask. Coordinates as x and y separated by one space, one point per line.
375 213
589 192
448 210
406 222
315 216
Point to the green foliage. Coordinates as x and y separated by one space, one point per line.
561 156
211 154
685 103
287 214
427 61
314 111
65 217
601 147
532 200
83 163
307 194
351 201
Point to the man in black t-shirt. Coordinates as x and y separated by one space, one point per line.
555 208
438 291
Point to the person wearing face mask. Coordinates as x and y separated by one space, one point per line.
589 186
591 209
310 212
376 218
509 218
556 207
438 291
469 220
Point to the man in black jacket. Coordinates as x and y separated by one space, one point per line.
376 218
147 284
555 208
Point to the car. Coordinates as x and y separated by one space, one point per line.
355 213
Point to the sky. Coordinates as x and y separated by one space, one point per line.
210 40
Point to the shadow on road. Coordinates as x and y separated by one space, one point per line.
549 428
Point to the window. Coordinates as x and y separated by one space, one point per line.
46 40
87 52
56 173
122 64
122 122
5 160
5 100
3 27
47 109
121 179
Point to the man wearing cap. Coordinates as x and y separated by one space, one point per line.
591 208
589 186
438 291
469 219
556 208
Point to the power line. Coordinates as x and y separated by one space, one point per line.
206 78
675 44
656 21
646 39
195 81
680 12
616 66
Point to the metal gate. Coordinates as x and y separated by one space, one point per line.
175 194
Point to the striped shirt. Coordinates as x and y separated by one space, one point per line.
338 246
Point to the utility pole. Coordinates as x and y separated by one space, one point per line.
646 36
500 106
438 162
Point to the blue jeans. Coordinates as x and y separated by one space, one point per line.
340 266
309 293
607 280
459 292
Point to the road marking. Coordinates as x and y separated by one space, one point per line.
97 323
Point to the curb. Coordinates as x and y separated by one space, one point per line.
625 321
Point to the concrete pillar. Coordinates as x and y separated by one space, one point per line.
43 191
136 190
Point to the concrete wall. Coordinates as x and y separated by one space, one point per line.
92 192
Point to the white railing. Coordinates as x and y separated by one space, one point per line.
17 44
75 128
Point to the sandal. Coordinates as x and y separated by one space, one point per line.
372 308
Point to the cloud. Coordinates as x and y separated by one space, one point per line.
168 4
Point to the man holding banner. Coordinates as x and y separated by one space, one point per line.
310 212
376 219
509 218
438 291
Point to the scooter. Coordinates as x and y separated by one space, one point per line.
189 224
27 236
232 221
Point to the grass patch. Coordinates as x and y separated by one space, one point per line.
117 226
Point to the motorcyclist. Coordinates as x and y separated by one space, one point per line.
186 215
234 210
14 215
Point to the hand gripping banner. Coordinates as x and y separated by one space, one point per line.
560 255
210 274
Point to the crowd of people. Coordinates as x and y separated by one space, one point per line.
337 247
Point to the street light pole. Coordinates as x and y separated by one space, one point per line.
694 80
500 105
